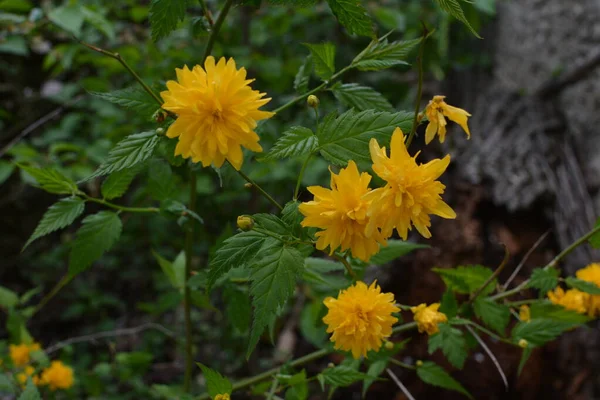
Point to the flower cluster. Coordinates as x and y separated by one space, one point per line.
56 376
576 300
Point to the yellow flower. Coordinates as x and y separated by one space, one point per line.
222 397
428 317
57 376
591 273
360 318
342 214
436 110
524 313
410 194
27 372
217 111
19 354
572 299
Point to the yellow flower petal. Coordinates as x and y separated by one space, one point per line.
436 111
428 317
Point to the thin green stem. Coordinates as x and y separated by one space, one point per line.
404 327
413 130
206 12
486 331
346 264
120 208
521 302
215 30
261 190
273 388
62 283
187 296
492 277
299 182
401 364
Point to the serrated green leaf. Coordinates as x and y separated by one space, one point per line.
584 286
58 216
466 279
236 251
131 98
361 97
342 375
118 182
98 233
382 55
544 279
323 56
299 387
174 271
237 307
296 141
296 3
541 330
594 240
68 17
167 150
395 249
30 392
452 343
132 150
99 22
160 180
293 217
449 305
375 369
302 77
8 298
215 382
494 315
50 180
435 375
274 277
347 137
524 357
453 8
165 15
353 16
547 310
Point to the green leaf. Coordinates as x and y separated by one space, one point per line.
347 137
160 180
132 150
6 170
453 8
98 21
165 15
395 249
299 387
584 286
175 271
98 234
449 305
30 392
215 382
6 384
545 309
361 97
594 240
323 56
132 98
541 330
342 375
544 279
494 315
382 55
51 180
234 252
68 17
58 216
293 217
14 45
452 343
118 182
274 278
237 307
466 279
435 375
302 77
353 16
296 141
8 298
311 323
524 357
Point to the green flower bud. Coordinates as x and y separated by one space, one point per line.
245 223
313 101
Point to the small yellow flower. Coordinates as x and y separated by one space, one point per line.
222 397
523 343
19 354
428 317
217 112
436 110
524 313
410 194
312 101
27 372
591 273
57 376
572 299
342 214
360 318
245 223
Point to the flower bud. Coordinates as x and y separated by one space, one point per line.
160 116
419 363
523 343
247 185
313 101
389 345
245 222
330 365
160 131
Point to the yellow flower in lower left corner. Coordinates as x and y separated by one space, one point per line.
27 372
342 214
360 318
57 376
222 397
19 353
217 112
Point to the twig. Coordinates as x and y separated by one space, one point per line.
261 190
346 264
401 364
492 277
116 332
216 28
62 283
400 385
413 130
529 252
490 354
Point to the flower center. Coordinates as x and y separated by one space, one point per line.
217 115
360 314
